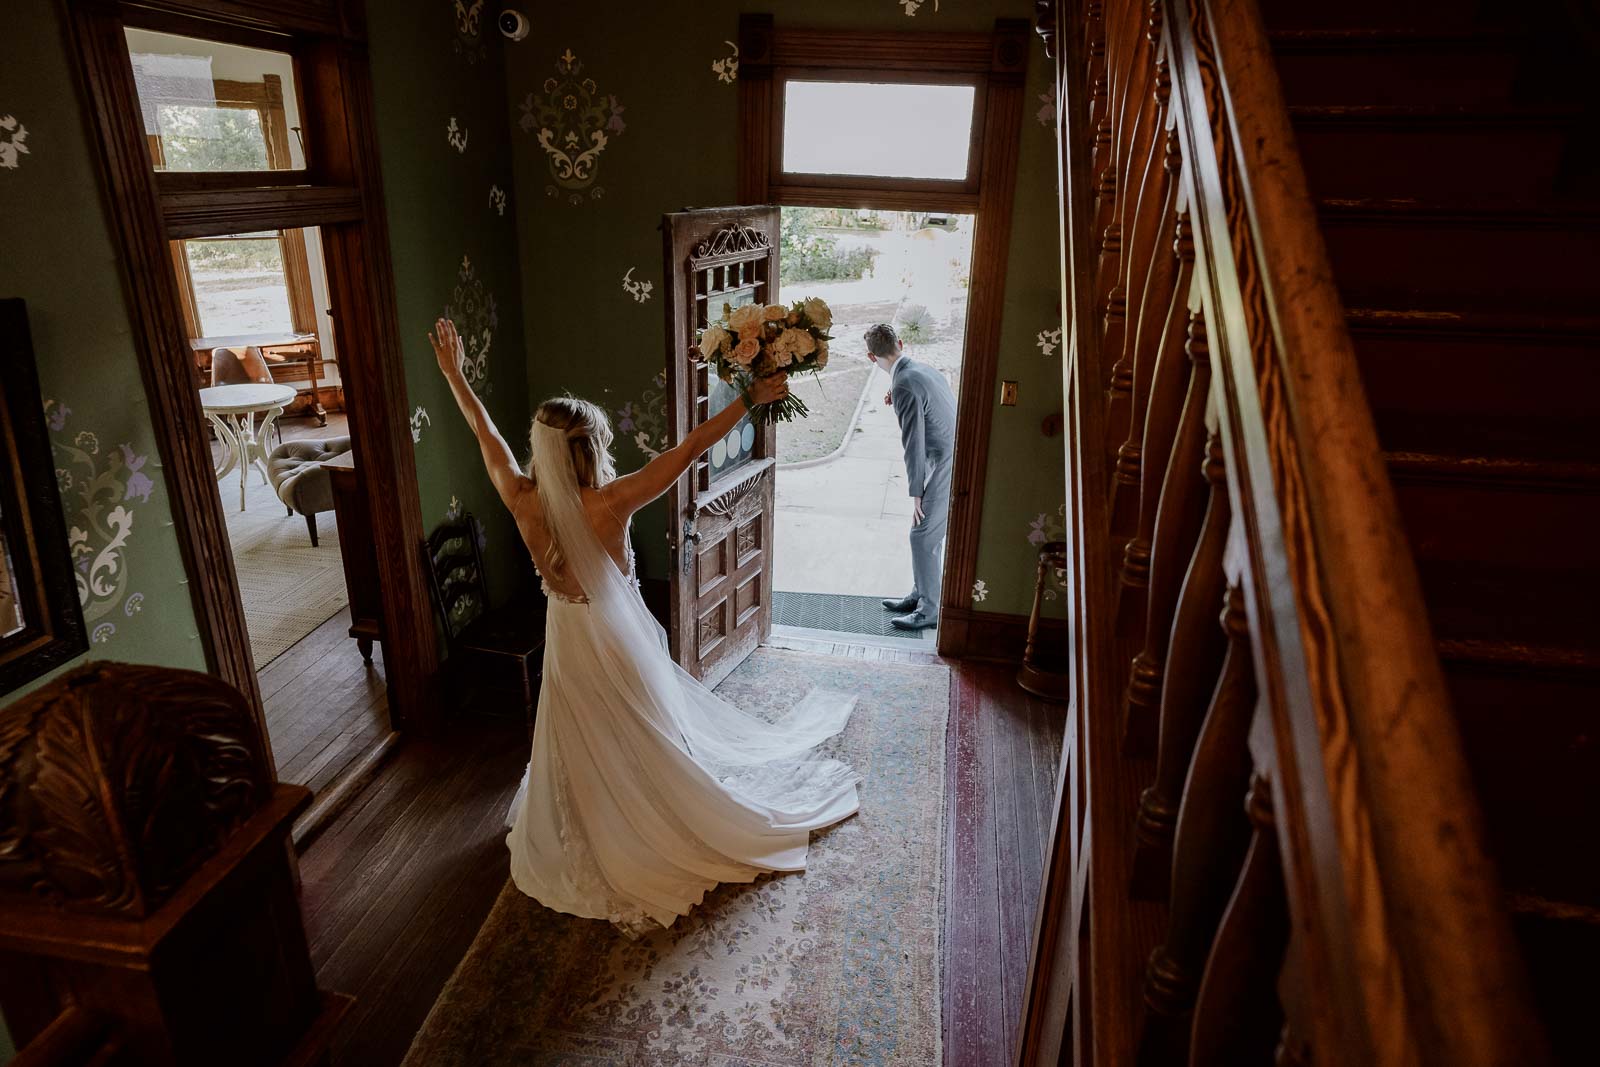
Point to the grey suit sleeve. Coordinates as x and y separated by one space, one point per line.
908 409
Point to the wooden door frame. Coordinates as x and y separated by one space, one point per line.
996 64
340 190
737 490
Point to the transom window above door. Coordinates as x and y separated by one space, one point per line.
214 106
878 129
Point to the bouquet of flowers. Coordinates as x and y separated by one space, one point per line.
757 341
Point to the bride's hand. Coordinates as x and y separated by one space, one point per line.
772 387
447 347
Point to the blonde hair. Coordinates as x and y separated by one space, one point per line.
588 436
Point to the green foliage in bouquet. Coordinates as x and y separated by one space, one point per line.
758 341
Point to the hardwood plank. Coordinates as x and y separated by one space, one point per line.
976 1019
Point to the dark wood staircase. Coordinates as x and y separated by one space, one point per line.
1332 380
1450 151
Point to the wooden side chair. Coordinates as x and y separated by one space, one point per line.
242 366
495 655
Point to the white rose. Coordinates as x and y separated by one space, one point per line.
714 340
818 311
745 319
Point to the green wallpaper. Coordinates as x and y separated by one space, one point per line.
649 85
447 174
57 253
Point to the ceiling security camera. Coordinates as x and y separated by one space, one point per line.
513 24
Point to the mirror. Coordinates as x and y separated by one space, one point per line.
41 622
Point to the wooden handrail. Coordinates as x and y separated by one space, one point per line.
1382 937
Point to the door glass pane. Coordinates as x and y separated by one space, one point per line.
736 449
889 130
239 285
209 106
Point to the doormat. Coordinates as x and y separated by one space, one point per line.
836 612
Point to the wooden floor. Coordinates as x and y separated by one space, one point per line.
397 887
326 706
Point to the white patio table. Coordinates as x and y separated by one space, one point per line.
232 410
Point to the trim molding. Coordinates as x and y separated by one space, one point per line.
999 638
996 63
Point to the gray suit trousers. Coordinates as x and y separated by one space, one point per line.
927 540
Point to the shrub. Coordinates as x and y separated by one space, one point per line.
915 324
806 256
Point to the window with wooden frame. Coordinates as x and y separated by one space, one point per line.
283 305
197 120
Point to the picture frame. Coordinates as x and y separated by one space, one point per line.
41 618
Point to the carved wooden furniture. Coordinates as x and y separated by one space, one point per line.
148 905
300 477
41 621
1330 756
498 652
1038 674
232 410
355 534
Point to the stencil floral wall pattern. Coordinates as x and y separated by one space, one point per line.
13 141
100 490
472 308
644 421
469 30
573 121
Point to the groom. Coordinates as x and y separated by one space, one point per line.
927 412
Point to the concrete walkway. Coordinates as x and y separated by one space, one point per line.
842 526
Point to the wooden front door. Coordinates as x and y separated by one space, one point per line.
720 512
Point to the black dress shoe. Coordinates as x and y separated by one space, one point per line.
915 621
905 603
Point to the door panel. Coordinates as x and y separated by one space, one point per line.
722 509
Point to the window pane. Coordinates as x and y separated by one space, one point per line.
209 106
898 131
239 285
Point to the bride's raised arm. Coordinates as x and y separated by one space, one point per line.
631 492
498 459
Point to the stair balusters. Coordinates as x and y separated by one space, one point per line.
1212 835
1177 525
1237 1018
1194 659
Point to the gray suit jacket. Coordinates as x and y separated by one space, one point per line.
926 409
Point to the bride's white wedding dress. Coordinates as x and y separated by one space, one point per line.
645 789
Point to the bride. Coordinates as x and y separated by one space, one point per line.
644 789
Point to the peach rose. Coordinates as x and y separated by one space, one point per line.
745 352
774 311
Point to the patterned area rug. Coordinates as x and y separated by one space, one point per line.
288 587
835 965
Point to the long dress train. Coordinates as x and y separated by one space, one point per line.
645 789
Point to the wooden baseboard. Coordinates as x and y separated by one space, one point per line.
998 638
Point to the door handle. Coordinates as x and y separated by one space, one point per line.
691 540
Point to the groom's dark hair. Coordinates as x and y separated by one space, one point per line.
883 341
